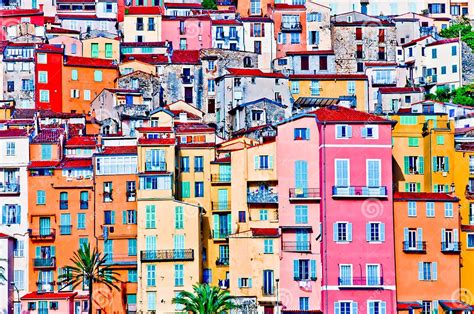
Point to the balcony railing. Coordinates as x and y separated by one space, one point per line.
268 290
262 197
167 255
450 247
44 263
43 234
296 246
9 188
414 247
65 229
224 283
221 206
156 166
220 234
359 191
304 193
120 259
291 27
363 282
220 178
63 204
222 261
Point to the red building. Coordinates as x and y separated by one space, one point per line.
11 18
48 77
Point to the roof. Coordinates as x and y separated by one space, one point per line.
48 295
454 305
405 306
3 235
30 113
253 72
123 91
424 196
156 141
60 30
226 22
265 232
79 141
310 52
201 17
251 129
286 6
379 64
192 145
139 10
264 100
119 150
223 160
178 57
328 77
400 90
75 1
70 163
49 48
20 12
262 19
144 44
183 5
34 164
77 16
443 41
155 129
89 62
13 133
414 41
193 128
315 101
342 114
50 135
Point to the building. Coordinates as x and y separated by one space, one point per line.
391 99
357 212
142 24
187 32
318 25
72 45
101 47
290 27
228 34
48 75
259 37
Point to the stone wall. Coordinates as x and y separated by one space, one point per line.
467 64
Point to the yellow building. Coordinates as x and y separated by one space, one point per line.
135 65
142 24
423 153
353 87
101 47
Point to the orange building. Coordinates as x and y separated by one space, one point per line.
84 79
254 7
427 251
290 28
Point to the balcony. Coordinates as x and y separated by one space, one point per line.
44 263
263 195
359 191
155 166
44 234
255 12
220 234
291 27
414 247
120 259
7 188
224 283
167 255
220 178
222 261
304 193
450 247
84 204
360 282
65 229
221 206
227 38
268 290
63 204
296 246
187 79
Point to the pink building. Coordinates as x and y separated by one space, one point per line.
60 302
187 32
299 214
72 46
357 212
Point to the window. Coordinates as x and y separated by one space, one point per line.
19 279
373 173
81 221
199 189
315 88
413 142
454 50
440 164
42 77
263 162
211 86
263 214
87 94
345 275
301 134
182 44
427 271
443 70
257 115
150 217
211 65
151 275
198 164
185 189
151 301
129 217
184 164
73 49
42 58
44 95
242 216
63 200
179 217
132 275
430 209
440 139
268 246
411 209
413 165
408 120
377 307
244 282
301 214
351 88
108 50
109 217
74 75
179 275
470 240
295 38
342 232
304 303
370 132
18 248
343 131
448 209
454 68
434 53
375 232
98 76
281 38
151 24
304 63
342 172
94 50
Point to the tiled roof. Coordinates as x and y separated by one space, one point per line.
265 232
328 77
59 30
48 135
119 150
400 90
156 141
3 235
34 164
79 141
443 41
124 91
143 11
48 295
144 44
342 114
454 305
49 48
70 163
379 64
183 5
414 41
286 6
253 72
189 115
156 129
13 133
226 22
193 128
89 62
178 57
77 16
202 17
310 52
251 129
424 196
30 113
406 306
223 160
20 12
75 1
262 19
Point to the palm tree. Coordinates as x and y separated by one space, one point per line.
89 268
205 300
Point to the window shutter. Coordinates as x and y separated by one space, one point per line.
418 187
53 251
270 162
349 232
335 232
405 234
435 188
383 307
354 308
434 271
435 164
250 282
382 232
446 164
313 269
406 162
349 131
296 269
256 163
435 306
112 217
407 187
419 233
443 235
446 188
38 251
263 29
364 132
421 165
336 308
420 271
239 283
124 217
338 131
367 232
455 236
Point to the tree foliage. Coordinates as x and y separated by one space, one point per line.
461 27
462 96
209 4
205 300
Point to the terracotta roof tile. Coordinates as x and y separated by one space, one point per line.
443 41
89 62
119 150
183 5
226 22
34 164
51 135
310 52
328 76
193 128
265 232
162 129
178 57
48 295
13 133
253 72
414 41
20 12
143 11
70 163
424 196
79 141
400 90
286 6
156 141
342 114
59 30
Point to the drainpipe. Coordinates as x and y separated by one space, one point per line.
324 224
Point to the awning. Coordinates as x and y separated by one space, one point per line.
406 306
454 305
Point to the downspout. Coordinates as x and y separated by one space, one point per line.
324 224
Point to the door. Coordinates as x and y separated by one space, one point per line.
188 95
302 240
268 282
301 178
45 226
223 223
222 199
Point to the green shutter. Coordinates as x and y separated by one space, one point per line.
256 162
435 164
446 164
185 189
421 165
418 187
406 163
407 187
124 217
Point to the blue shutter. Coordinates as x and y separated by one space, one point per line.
335 232
256 162
420 271
239 283
296 269
435 164
382 232
313 269
367 232
336 308
18 214
421 165
434 271
354 308
53 251
349 232
270 162
250 282
419 232
383 307
4 214
405 234
349 131
112 217
364 132
124 217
